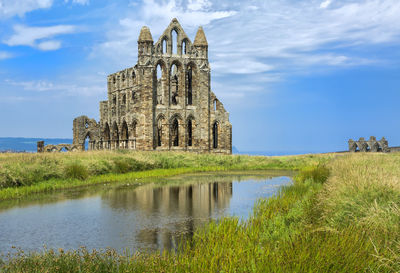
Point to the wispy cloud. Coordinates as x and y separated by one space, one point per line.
157 15
10 8
5 55
267 36
262 39
287 34
87 87
80 2
29 36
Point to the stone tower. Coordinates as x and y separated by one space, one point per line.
164 102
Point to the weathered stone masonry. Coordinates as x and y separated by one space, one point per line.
164 102
371 145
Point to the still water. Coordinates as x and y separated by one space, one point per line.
154 215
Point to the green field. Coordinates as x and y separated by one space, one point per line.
24 174
342 214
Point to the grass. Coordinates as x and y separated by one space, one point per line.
339 215
24 174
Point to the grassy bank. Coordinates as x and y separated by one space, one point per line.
24 174
338 216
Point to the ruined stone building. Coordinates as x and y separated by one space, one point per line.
371 145
164 102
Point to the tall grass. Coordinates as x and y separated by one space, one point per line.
26 173
340 216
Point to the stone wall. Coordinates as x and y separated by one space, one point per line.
371 145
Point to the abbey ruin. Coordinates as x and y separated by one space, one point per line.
164 102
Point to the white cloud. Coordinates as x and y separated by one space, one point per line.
325 4
80 2
157 15
10 8
288 36
198 4
49 45
265 36
87 87
25 35
5 55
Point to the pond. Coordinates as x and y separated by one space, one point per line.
146 216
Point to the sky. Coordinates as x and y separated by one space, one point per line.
295 76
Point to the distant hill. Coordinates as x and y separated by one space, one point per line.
20 144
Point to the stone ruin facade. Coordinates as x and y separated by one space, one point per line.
371 145
162 103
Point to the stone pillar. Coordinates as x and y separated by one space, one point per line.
40 146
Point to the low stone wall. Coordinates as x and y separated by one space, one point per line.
41 148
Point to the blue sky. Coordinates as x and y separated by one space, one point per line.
297 76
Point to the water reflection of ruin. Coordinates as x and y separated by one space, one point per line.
186 207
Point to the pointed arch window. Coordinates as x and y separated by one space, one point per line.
215 135
175 132
174 84
107 136
159 132
190 133
190 84
164 46
174 41
184 47
159 84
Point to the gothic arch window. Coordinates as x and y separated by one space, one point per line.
114 80
107 135
215 105
174 84
215 135
184 47
134 128
190 86
134 96
125 134
164 46
175 132
123 77
159 131
124 99
174 41
159 84
190 132
114 100
133 75
88 142
115 135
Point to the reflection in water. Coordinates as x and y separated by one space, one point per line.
168 214
152 216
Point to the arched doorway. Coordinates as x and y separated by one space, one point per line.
107 137
124 135
159 134
115 136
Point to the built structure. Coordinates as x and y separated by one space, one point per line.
371 145
164 102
